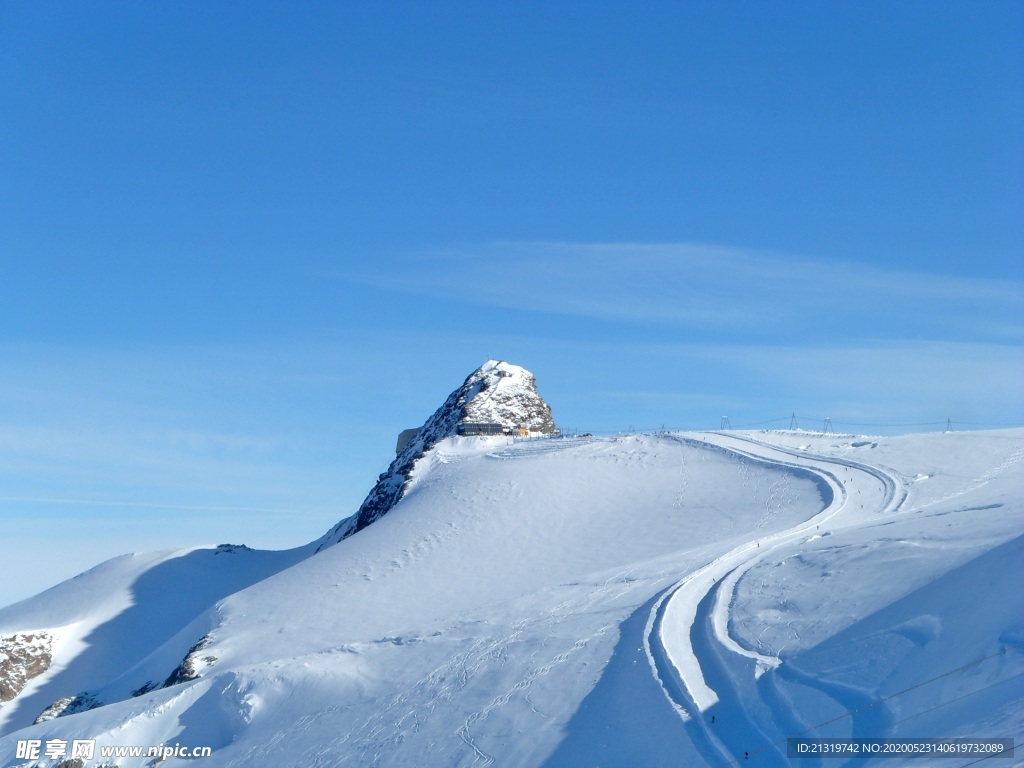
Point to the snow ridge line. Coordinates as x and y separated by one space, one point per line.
668 642
895 494
674 619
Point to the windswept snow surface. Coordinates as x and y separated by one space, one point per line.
111 620
679 599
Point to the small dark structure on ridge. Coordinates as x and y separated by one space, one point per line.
469 428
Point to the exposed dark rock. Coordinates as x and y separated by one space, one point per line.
229 549
497 393
69 705
23 655
146 688
190 665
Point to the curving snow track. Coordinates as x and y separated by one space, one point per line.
697 662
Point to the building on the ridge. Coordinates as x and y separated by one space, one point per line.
405 437
469 428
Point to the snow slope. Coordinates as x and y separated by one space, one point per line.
105 622
635 600
497 393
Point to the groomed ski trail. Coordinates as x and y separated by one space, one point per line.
687 639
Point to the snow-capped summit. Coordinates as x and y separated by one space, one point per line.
497 398
504 394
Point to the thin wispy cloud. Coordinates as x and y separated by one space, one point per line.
913 381
707 288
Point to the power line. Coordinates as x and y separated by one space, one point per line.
852 712
985 424
828 425
889 423
759 423
986 757
957 698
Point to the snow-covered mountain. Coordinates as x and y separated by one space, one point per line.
679 598
496 394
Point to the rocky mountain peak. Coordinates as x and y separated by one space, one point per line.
501 393
497 398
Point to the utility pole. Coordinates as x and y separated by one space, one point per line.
725 423
949 424
792 421
827 427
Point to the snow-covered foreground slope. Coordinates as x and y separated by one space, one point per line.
109 621
676 599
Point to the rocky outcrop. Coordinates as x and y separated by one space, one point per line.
192 665
68 705
497 393
23 655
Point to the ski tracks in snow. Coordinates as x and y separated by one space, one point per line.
687 641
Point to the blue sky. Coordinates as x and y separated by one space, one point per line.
241 248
